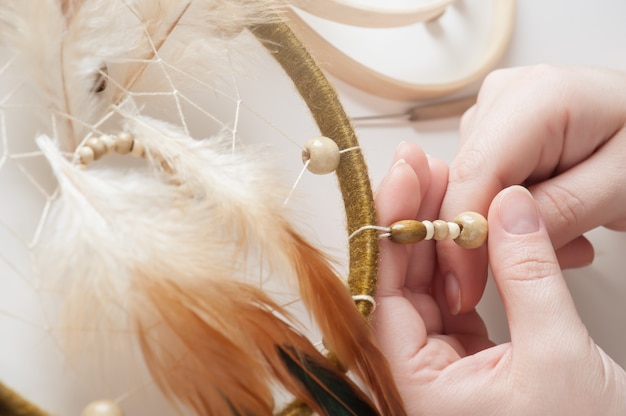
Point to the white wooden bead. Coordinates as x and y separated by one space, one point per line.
441 230
108 141
453 230
138 149
322 155
473 229
430 230
102 408
98 147
124 143
86 155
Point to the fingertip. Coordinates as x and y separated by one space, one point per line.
409 151
517 211
398 194
417 159
527 274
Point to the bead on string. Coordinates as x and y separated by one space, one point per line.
321 155
122 143
468 230
366 298
102 408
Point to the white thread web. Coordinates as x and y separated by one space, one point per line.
255 103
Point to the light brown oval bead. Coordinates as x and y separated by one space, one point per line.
322 154
407 232
102 408
473 229
124 143
441 230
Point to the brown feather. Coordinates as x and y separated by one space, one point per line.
217 347
195 355
345 331
272 336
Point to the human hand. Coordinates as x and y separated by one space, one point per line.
444 364
558 130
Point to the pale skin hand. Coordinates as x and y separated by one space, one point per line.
444 364
561 132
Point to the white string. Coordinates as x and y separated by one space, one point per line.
350 149
366 298
296 183
370 227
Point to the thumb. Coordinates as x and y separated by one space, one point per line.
540 310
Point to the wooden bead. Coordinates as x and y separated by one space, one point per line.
441 230
453 230
102 408
124 143
473 229
407 232
98 147
108 141
430 230
322 155
86 155
138 149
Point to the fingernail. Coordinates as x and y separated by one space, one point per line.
518 211
391 172
453 293
401 145
398 163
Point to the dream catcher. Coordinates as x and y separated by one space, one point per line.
164 238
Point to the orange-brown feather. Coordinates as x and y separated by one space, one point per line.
345 331
193 358
216 347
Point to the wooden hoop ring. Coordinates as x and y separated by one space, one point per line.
361 76
350 13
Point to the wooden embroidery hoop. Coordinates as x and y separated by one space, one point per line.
352 13
357 74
